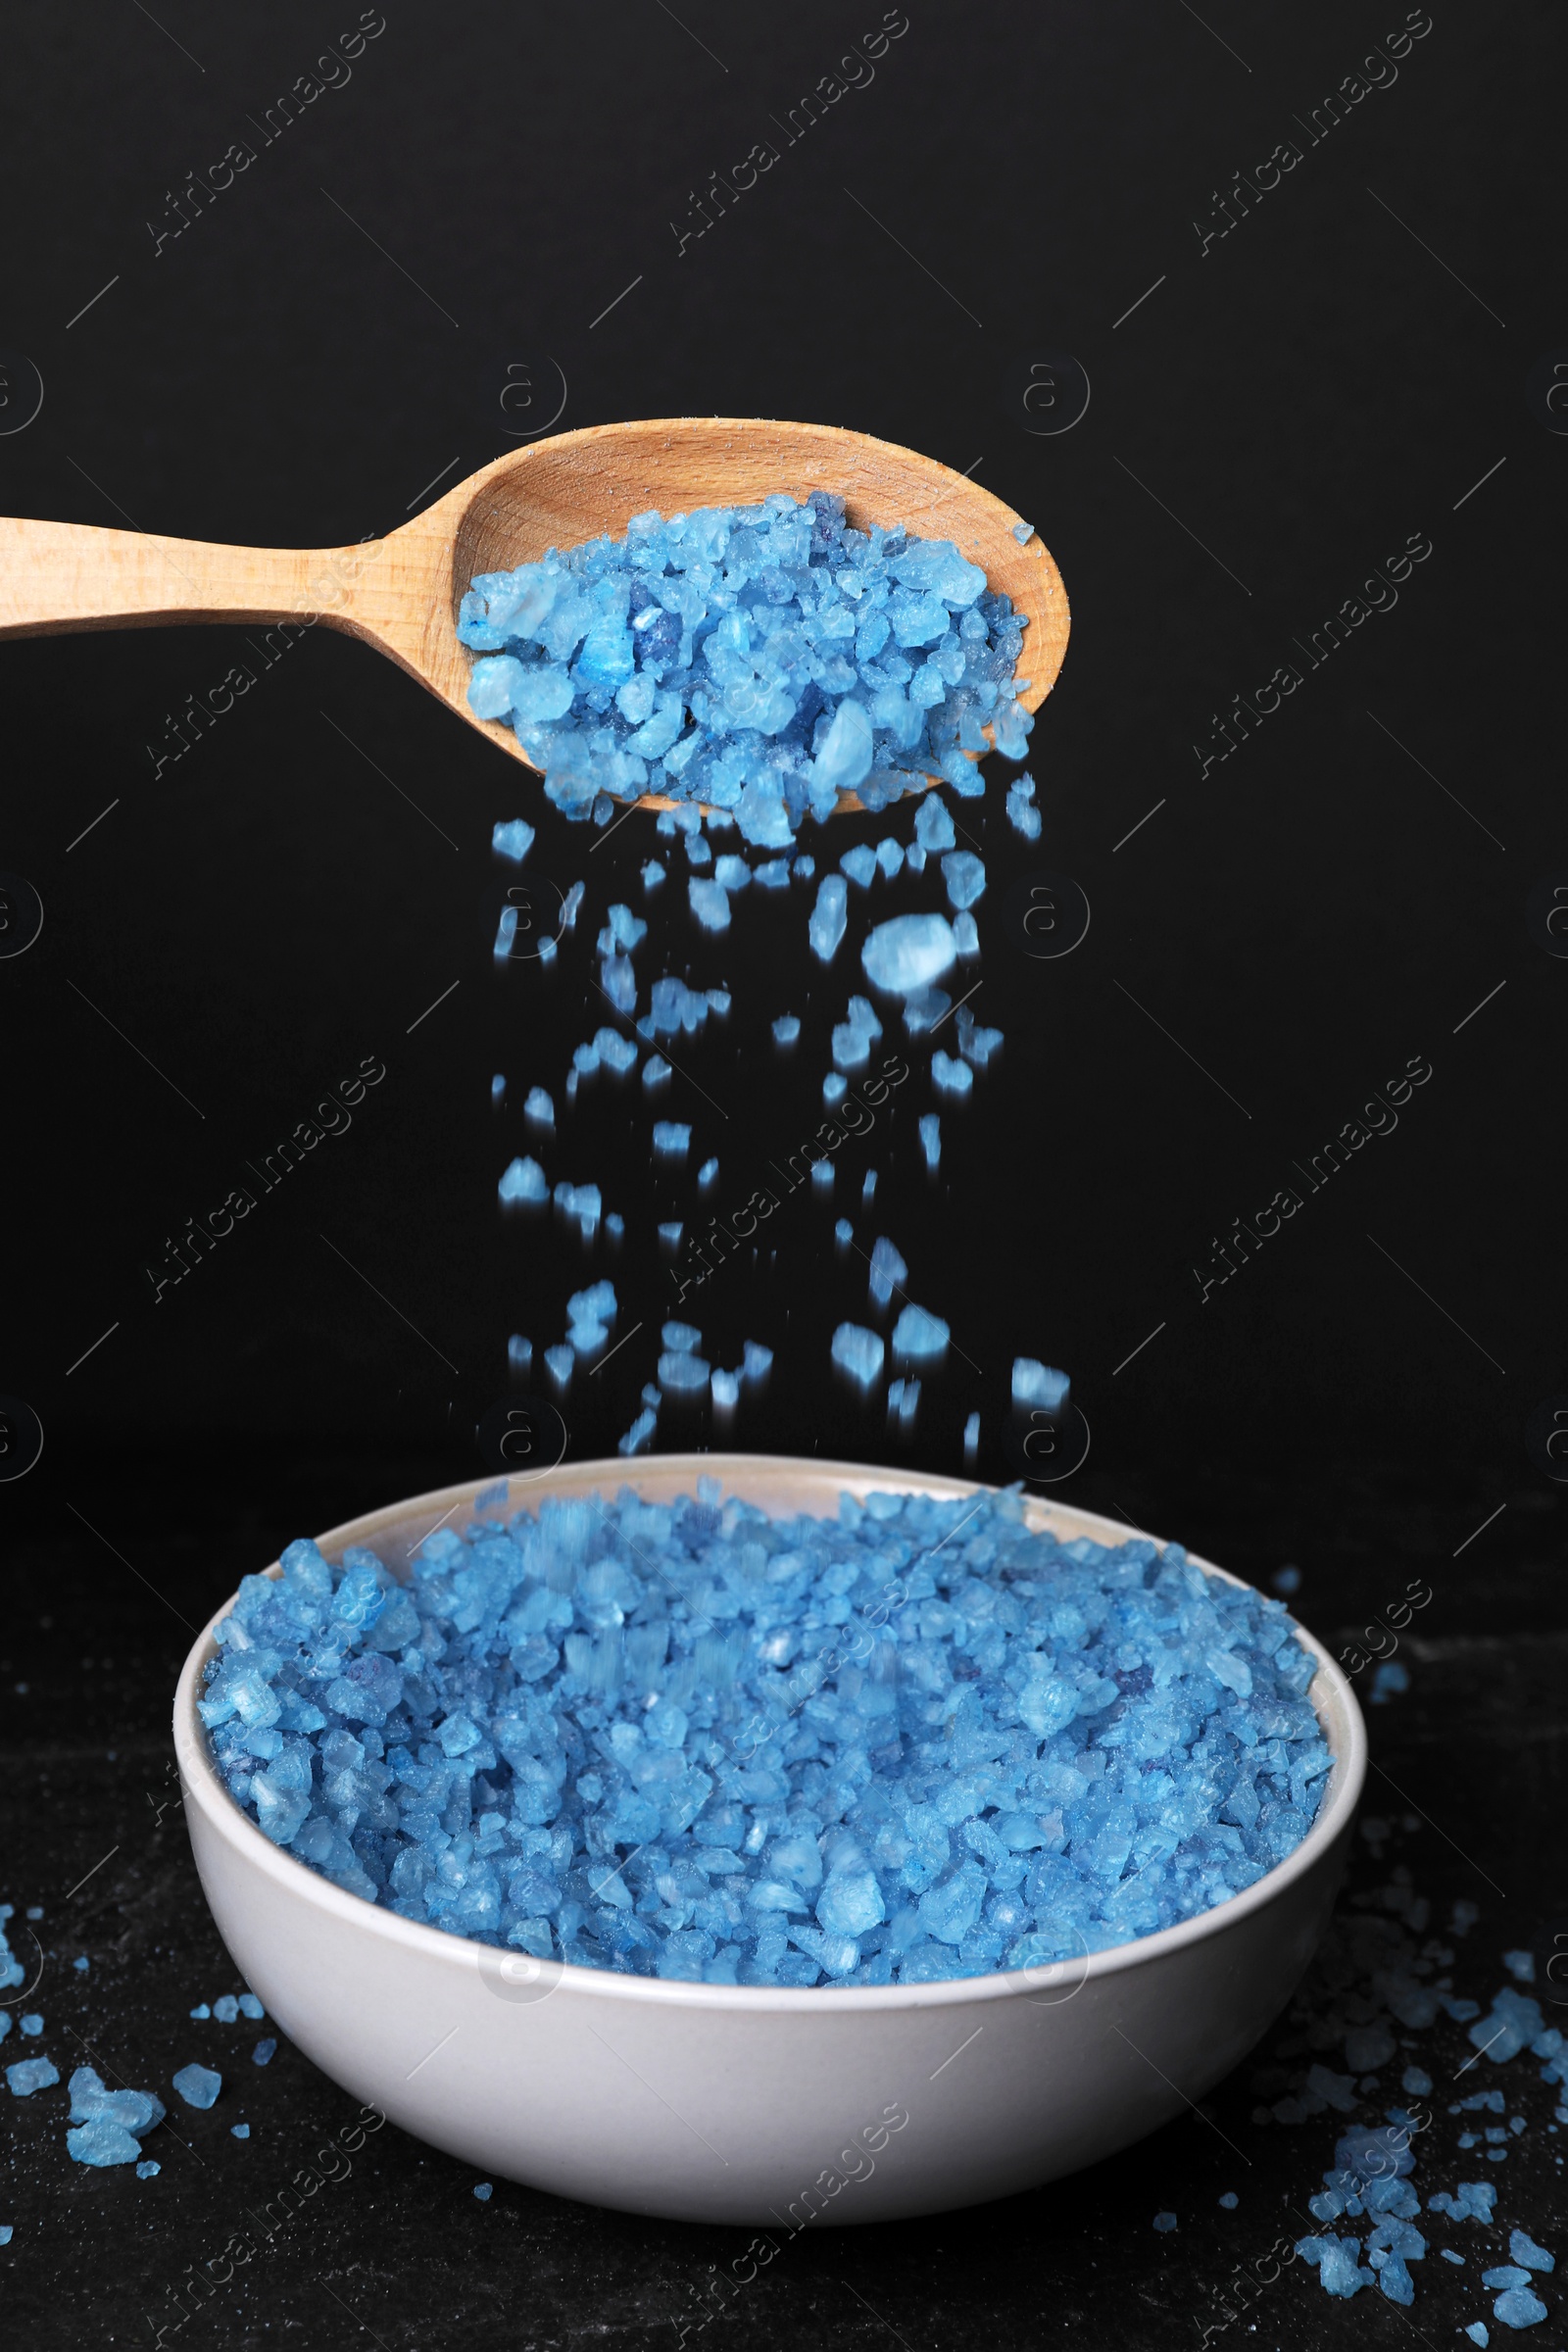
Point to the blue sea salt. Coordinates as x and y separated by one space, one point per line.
757 1360
933 824
931 1138
859 864
749 659
919 1337
975 1044
1022 814
198 2085
670 1235
28 2075
1038 1384
656 1072
949 1076
908 952
1519 2308
682 1374
699 851
843 1233
672 1140
835 1086
965 937
971 1439
239 2130
830 916
638 1436
681 1338
616 1053
966 878
888 1270
1530 2257
513 840
786 1029
31 2022
710 904
859 1352
538 1109
1164 2222
558 1362
523 1181
725 1388
1030 1755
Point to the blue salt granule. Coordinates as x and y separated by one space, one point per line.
726 1390
931 1138
1519 2308
1530 2257
681 1338
710 904
1478 2332
1417 2082
1391 1678
859 1352
616 1053
198 2085
672 1140
888 1271
1038 1384
1338 2263
971 1439
656 1072
263 2053
757 1360
498 1090
949 1075
639 1434
859 864
919 1337
698 851
1230 2200
147 2169
908 952
1506 2274
926 1010
786 1029
513 840
523 1181
1521 1966
27 2074
484 2191
8 2231
844 1233
732 873
1022 814
662 1696
933 824
1471 2201
835 1086
202 2010
681 1373
975 1044
239 2130
32 2023
652 873
506 932
830 916
1514 2019
538 1109
965 877
558 1362
102 2145
520 1359
708 1176
1164 2222
226 2008
903 1402
965 937
670 1235
581 1202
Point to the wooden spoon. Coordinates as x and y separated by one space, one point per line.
400 594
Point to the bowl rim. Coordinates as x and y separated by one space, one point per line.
1333 1698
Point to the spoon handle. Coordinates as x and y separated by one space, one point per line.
61 576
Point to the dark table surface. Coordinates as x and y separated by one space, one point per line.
1290 379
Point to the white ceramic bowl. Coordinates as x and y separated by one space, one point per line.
754 2104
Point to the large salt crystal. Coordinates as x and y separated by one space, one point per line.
1038 1384
966 878
830 916
513 840
908 952
523 1181
950 1076
710 904
919 1336
888 1271
859 1352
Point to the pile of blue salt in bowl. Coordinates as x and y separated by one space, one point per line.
914 1741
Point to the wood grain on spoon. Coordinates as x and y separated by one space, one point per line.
400 594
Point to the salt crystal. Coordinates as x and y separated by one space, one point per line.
950 1076
908 952
523 1181
710 904
672 1140
1037 1383
919 1336
931 1138
726 1389
198 2085
28 2075
971 1439
786 1029
652 873
966 878
682 1374
758 1360
859 864
656 1072
558 1362
859 1352
513 840
830 916
888 1271
889 856
681 1338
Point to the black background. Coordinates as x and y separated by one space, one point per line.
1344 369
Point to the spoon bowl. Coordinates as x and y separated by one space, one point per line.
400 594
